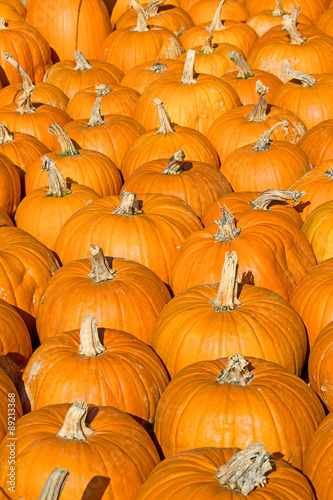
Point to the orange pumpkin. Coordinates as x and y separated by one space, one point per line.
10 185
18 5
9 13
204 11
15 342
309 8
317 143
320 366
318 230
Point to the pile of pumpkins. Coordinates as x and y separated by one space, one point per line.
166 249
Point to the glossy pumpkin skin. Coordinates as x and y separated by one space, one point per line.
320 366
44 93
318 459
15 341
189 329
130 302
317 143
10 408
169 479
149 238
117 440
10 185
195 410
318 230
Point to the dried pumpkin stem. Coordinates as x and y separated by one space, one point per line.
175 163
54 485
5 135
81 62
263 143
242 67
226 299
65 142
158 67
27 83
289 25
207 48
57 183
246 470
24 104
217 22
100 269
227 230
3 23
129 204
141 22
278 11
188 72
74 426
90 345
329 173
307 80
152 7
236 372
263 201
258 114
163 117
102 89
96 118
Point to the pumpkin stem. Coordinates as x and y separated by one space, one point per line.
164 118
307 80
278 11
236 372
74 426
129 204
227 227
81 62
5 135
217 22
24 104
158 67
175 163
226 299
263 143
242 67
96 118
3 23
54 484
152 8
27 83
263 201
66 144
207 48
329 173
258 114
289 25
188 72
90 345
100 269
57 183
245 470
141 22
102 89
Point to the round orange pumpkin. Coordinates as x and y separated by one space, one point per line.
317 143
317 228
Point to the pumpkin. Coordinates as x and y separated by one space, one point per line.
236 402
267 164
309 8
197 183
148 229
204 11
10 185
317 229
272 251
43 212
320 366
324 22
56 434
87 167
133 381
163 141
10 412
9 13
68 26
15 342
18 5
317 142
108 288
226 473
245 124
215 320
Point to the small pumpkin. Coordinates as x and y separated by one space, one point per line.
317 228
317 142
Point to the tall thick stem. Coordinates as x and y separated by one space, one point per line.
81 62
141 22
289 25
90 345
236 372
227 230
74 426
263 143
278 11
129 204
96 118
57 183
188 72
307 80
27 83
100 269
242 67
175 163
207 48
54 485
166 126
258 114
152 7
226 299
65 142
217 22
263 201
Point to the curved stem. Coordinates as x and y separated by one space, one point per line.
217 22
65 142
96 118
188 72
100 269
57 183
207 47
27 83
263 143
24 104
263 201
81 62
164 118
242 67
175 163
158 67
129 204
102 89
141 22
258 114
5 135
74 426
289 25
90 345
246 470
226 299
278 11
236 372
152 8
227 230
307 80
54 485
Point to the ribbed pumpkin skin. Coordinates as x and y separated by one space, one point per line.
23 149
203 11
308 8
313 299
318 459
68 26
151 238
195 410
263 20
317 143
129 302
194 472
15 342
272 253
188 329
10 408
10 185
246 87
18 5
123 448
44 93
320 366
324 22
318 228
